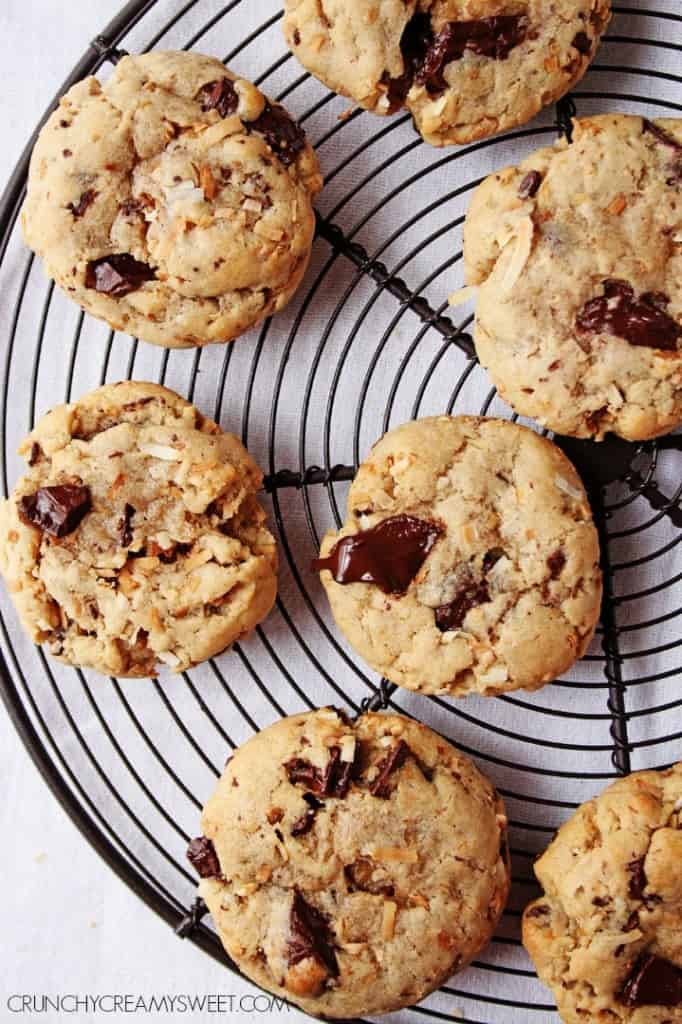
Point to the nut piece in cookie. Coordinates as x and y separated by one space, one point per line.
577 255
605 936
469 562
174 201
464 70
135 538
397 879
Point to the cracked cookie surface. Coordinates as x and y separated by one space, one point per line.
352 867
465 69
578 254
606 937
135 538
174 202
507 594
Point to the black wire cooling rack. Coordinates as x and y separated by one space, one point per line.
367 343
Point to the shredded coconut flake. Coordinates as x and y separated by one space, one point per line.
568 489
168 658
348 749
497 674
461 296
522 248
159 451
186 190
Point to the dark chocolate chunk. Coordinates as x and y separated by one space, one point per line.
35 454
641 322
653 982
542 910
491 558
86 200
555 564
117 275
56 510
390 554
334 781
394 760
648 127
530 185
203 858
310 936
221 96
414 44
359 878
638 881
488 37
470 595
284 135
125 532
582 43
304 824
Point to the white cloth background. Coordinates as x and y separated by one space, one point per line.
69 924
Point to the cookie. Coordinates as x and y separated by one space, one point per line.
578 254
465 69
135 537
469 562
174 202
607 935
352 867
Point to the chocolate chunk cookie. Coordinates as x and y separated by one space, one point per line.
174 202
352 867
607 936
465 69
135 538
469 562
578 254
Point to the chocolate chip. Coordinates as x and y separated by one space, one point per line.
220 95
359 878
470 595
203 858
390 554
117 275
86 200
284 135
35 454
601 901
67 153
582 43
334 781
540 911
131 207
530 184
555 564
638 881
395 759
653 982
297 37
125 532
491 558
57 511
488 37
666 139
310 936
304 824
642 322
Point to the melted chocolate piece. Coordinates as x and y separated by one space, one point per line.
221 96
638 879
203 858
530 185
642 322
648 127
125 532
334 781
582 43
451 616
57 511
35 454
390 554
310 936
653 982
117 275
284 135
86 200
304 824
394 760
488 37
555 564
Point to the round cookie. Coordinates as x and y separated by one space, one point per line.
578 254
607 935
465 69
469 562
135 538
352 867
174 202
